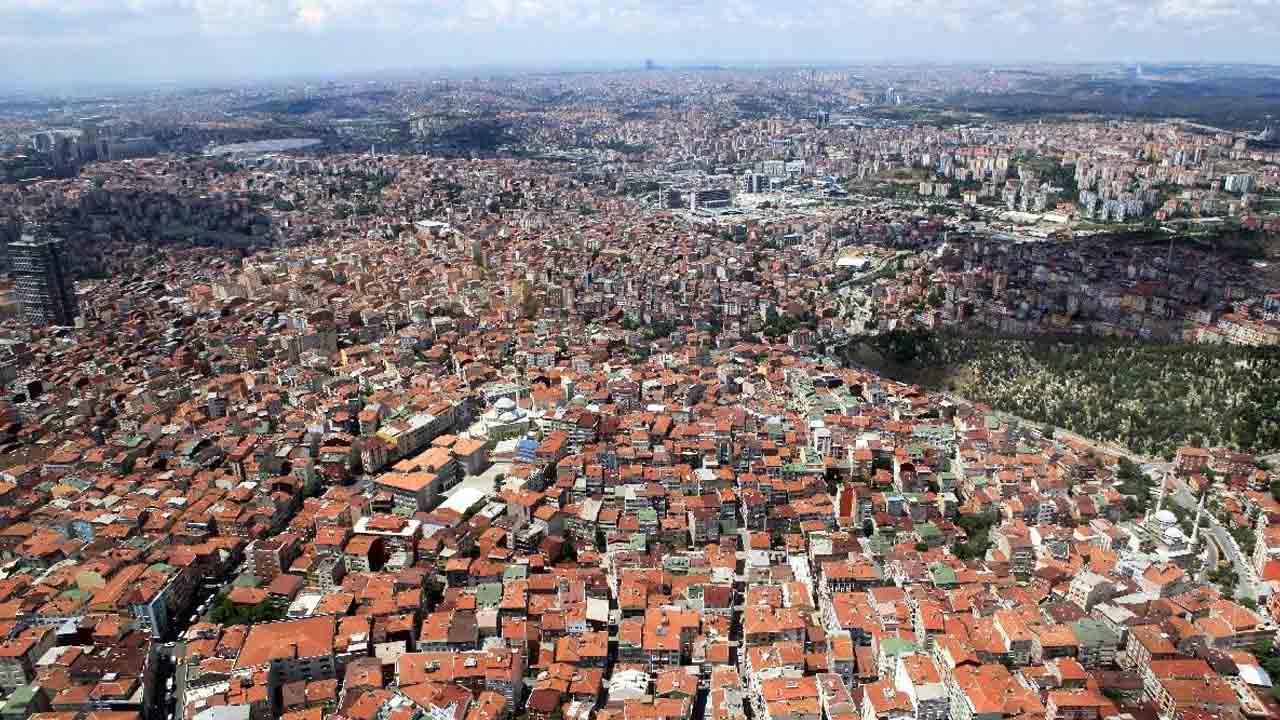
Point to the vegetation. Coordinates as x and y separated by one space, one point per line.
1136 486
782 325
1225 101
1150 397
1245 538
978 529
228 613
628 148
1051 170
659 329
1265 652
1224 577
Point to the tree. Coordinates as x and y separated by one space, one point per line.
226 612
977 528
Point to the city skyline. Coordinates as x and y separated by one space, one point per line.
82 44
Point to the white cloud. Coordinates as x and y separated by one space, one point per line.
955 15
35 34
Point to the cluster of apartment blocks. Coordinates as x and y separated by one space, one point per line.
1085 288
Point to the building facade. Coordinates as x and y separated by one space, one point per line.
44 288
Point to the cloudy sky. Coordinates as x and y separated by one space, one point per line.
77 42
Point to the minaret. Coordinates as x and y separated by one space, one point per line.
1164 486
1195 529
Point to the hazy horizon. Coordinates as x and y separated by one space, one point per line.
85 43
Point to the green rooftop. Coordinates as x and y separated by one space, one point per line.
943 575
894 646
934 431
488 595
1093 632
515 572
880 544
246 580
676 563
20 698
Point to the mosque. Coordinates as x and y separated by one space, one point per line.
1159 535
505 419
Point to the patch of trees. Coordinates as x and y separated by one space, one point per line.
1150 397
1136 486
1269 659
628 148
228 613
978 530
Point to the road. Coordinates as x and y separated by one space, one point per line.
1248 585
1211 562
164 704
179 676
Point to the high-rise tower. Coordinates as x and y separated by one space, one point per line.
39 270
